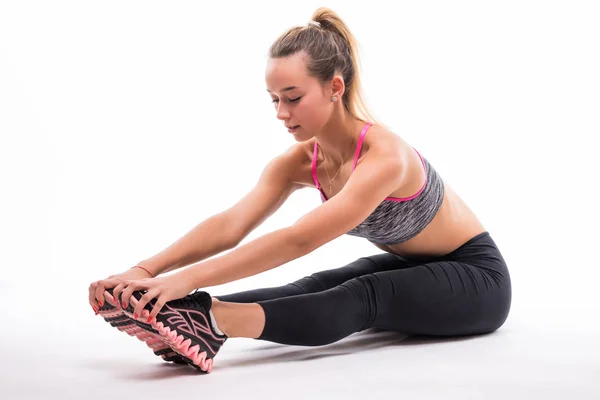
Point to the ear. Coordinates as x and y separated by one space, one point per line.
337 86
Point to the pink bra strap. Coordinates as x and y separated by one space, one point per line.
360 142
314 167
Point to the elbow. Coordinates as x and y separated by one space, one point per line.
230 234
300 242
234 238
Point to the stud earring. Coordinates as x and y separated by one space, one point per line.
334 98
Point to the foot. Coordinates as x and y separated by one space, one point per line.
113 314
184 325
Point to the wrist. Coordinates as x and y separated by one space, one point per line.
142 268
154 265
190 278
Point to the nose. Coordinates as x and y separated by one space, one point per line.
282 112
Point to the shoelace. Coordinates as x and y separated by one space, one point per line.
191 300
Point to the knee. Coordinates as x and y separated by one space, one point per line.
495 323
489 321
498 314
311 284
364 290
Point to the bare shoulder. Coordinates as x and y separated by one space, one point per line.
293 163
382 145
382 142
297 160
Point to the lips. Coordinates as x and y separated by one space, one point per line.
292 129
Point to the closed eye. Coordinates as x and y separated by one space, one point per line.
291 100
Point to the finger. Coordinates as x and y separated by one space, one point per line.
160 302
99 294
144 300
116 291
132 286
101 288
109 296
122 294
92 297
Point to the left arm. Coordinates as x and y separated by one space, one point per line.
371 182
379 174
262 254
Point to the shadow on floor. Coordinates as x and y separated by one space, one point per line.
363 341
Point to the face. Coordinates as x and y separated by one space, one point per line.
299 99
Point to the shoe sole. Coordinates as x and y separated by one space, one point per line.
180 342
115 316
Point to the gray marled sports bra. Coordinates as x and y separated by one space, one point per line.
396 220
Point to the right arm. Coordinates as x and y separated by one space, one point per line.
222 231
227 229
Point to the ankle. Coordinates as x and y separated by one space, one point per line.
217 310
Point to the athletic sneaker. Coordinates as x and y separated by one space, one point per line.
183 324
113 314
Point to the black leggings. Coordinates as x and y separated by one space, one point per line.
465 292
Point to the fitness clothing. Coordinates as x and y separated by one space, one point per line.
465 292
396 219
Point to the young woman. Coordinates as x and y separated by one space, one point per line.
440 273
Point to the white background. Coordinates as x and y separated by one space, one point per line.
125 123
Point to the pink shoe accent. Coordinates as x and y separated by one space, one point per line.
179 343
152 341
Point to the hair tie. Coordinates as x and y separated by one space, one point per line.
315 23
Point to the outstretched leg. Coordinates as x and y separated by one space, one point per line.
248 319
321 280
442 298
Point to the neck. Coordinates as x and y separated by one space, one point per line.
339 137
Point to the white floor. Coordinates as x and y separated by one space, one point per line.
58 349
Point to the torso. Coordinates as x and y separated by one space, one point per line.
454 223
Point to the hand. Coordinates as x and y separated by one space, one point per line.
96 289
163 289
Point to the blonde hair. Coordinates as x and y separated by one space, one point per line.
331 47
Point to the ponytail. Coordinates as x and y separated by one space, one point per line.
331 48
